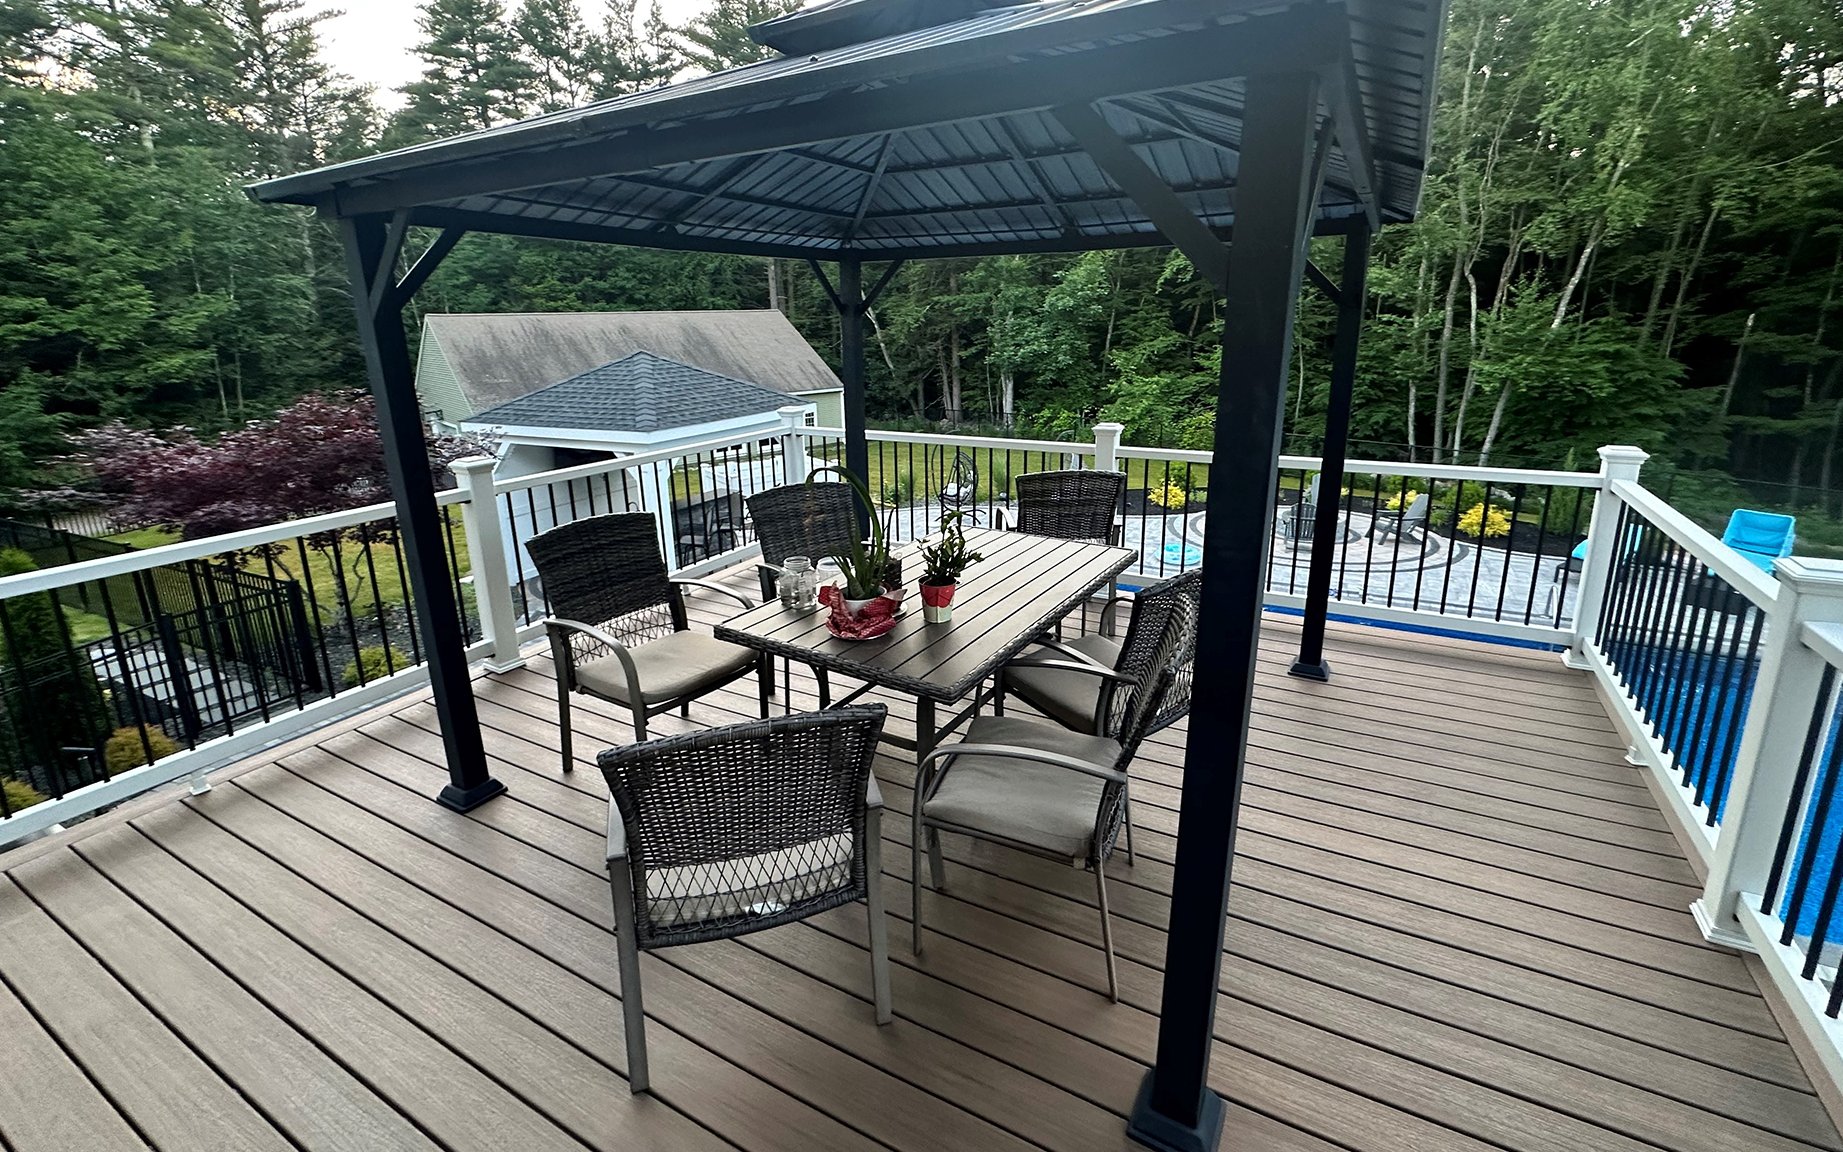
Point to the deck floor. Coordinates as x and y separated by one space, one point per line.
1459 923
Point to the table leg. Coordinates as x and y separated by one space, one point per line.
924 727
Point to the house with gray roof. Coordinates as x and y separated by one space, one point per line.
471 362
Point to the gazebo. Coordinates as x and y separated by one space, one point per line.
893 130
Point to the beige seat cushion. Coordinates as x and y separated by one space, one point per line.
682 664
1067 697
1025 801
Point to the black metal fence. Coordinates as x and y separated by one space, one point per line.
1685 643
109 674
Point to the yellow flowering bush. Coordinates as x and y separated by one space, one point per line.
1168 496
1494 520
1401 500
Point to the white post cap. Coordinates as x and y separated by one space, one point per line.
473 464
1809 575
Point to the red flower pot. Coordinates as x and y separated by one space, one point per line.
937 603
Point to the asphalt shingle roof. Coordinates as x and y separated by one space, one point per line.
640 392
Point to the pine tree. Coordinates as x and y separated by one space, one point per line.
562 51
719 38
634 55
476 75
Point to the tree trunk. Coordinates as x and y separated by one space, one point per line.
776 297
1734 371
953 363
1446 340
1689 273
1007 395
1471 369
1414 378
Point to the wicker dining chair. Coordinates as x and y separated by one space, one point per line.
815 520
1081 684
728 831
1074 504
618 629
1038 787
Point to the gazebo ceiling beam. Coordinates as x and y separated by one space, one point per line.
871 184
1155 198
736 170
1346 102
1026 167
1302 38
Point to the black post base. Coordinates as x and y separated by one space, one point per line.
467 799
1320 671
1156 1130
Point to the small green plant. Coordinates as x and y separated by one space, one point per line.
899 492
19 794
947 559
128 747
375 662
1494 520
998 479
866 564
1167 496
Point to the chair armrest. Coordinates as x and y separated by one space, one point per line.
617 833
1018 752
1003 518
684 581
1069 653
1090 668
873 795
560 629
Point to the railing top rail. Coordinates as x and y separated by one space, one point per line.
1824 638
1451 471
1724 561
638 460
1015 444
105 567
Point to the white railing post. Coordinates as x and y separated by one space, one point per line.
1617 462
486 550
793 444
1772 742
1107 446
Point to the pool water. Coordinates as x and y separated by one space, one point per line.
1179 554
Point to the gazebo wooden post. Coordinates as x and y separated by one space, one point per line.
1353 288
1176 1110
372 245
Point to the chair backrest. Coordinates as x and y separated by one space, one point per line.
734 829
1142 704
1077 504
1140 650
816 520
606 571
1311 491
1417 510
1767 533
960 484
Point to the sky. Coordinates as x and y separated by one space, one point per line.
371 42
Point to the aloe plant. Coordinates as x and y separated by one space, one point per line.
865 566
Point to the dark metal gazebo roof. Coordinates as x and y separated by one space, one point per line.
934 141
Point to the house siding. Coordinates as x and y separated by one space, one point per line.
436 383
830 407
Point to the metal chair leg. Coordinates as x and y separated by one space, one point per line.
633 1009
915 879
639 723
825 688
563 725
879 931
1126 806
764 682
998 692
1100 889
935 872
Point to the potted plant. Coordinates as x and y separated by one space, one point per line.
944 561
867 567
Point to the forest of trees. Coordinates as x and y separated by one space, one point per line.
1632 231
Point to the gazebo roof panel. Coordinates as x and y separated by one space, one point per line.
941 137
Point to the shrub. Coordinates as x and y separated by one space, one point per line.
1402 500
998 478
1494 520
1166 496
375 662
125 749
1197 433
19 794
899 491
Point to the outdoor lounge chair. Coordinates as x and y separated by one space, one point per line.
1401 524
728 831
619 630
1762 537
814 520
1036 786
1297 521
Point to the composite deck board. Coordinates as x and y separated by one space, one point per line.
41 1070
1459 924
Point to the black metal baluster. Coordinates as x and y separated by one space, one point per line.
1724 767
1801 780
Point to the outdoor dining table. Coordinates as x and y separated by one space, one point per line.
1022 587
